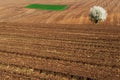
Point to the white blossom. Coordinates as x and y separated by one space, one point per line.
97 14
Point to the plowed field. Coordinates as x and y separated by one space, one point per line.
59 45
52 51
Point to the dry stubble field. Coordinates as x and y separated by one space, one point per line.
71 49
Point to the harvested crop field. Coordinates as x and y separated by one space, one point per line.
76 12
61 45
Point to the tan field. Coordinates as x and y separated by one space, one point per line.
59 45
76 13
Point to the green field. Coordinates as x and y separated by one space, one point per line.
46 7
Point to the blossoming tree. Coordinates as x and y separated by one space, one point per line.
97 14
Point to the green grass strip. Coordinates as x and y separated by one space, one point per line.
46 7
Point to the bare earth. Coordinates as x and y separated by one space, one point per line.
59 45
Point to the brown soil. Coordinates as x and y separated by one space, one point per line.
59 45
66 51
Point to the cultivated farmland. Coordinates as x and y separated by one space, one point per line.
76 13
59 45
